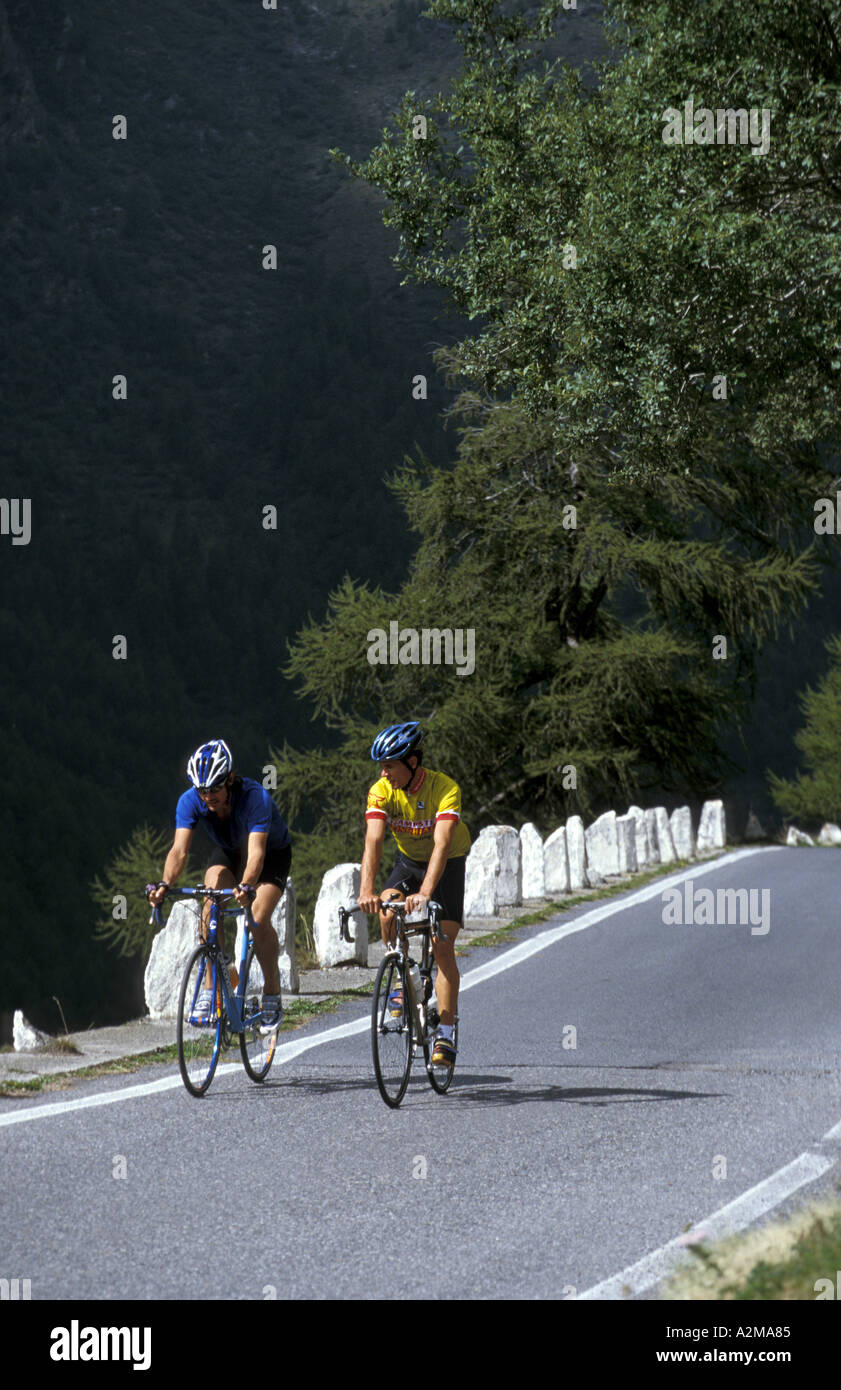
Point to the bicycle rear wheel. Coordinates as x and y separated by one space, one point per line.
257 1051
391 1038
199 1043
439 1077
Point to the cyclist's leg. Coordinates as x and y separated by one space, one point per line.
446 987
389 895
266 944
450 894
270 887
216 875
402 880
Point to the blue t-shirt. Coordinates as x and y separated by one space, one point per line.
251 809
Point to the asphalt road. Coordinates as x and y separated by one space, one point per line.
706 1058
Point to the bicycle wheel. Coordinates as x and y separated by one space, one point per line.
391 1038
198 1043
257 1051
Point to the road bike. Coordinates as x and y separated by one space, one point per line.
404 1018
234 1010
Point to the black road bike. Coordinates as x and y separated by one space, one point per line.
404 1018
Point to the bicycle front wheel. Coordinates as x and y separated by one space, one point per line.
257 1051
391 1032
199 1037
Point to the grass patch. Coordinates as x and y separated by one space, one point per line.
295 1015
780 1262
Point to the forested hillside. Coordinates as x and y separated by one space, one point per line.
246 388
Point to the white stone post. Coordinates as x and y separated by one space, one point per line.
531 858
339 887
626 833
712 830
662 834
683 839
641 835
576 853
171 949
602 840
493 872
556 863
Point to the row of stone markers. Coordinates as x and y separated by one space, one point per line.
505 868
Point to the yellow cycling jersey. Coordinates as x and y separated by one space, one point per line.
412 818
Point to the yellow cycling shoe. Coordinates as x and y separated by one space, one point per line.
444 1052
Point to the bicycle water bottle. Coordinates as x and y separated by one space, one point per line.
417 987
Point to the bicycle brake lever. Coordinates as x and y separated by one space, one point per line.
343 926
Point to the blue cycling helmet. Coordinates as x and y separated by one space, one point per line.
397 741
210 765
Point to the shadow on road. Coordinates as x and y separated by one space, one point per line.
475 1089
503 1090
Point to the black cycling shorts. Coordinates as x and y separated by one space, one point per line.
408 875
275 868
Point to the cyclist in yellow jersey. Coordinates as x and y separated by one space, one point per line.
422 809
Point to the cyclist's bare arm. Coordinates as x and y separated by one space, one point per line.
442 838
371 856
175 861
257 841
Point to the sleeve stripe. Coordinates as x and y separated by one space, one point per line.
448 815
375 815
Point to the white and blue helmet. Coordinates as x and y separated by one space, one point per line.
397 741
210 765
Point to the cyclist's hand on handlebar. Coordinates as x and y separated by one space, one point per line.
245 894
156 893
369 902
416 902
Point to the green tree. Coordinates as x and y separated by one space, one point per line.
610 513
123 911
689 264
816 793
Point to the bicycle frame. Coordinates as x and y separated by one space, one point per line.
234 1000
428 929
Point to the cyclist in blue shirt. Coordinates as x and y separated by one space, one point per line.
252 856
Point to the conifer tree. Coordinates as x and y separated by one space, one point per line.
643 408
816 793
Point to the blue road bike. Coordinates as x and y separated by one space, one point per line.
233 1011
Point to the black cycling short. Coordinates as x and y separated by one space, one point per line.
408 875
275 868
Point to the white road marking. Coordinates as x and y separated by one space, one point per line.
647 1272
287 1051
637 1278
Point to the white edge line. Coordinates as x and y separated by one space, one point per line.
650 1270
504 961
728 1220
